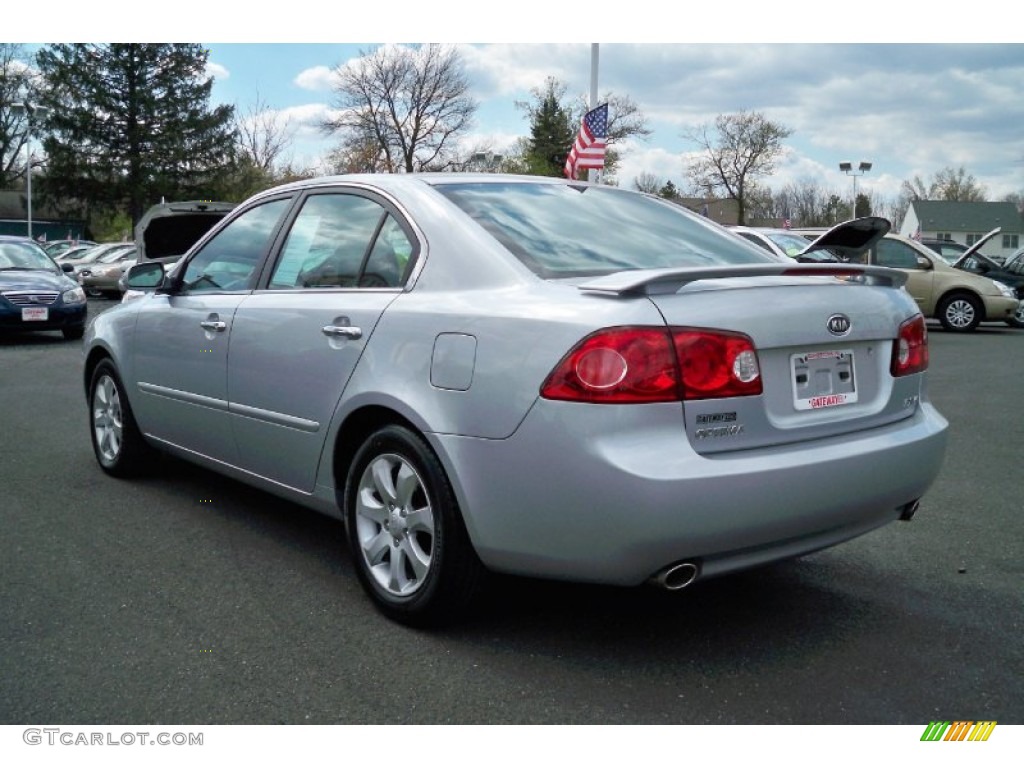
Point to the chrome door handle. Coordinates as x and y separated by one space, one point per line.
347 331
213 325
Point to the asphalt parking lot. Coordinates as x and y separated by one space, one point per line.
187 598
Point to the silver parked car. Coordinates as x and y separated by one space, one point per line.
523 375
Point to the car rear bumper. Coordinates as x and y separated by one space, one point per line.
575 495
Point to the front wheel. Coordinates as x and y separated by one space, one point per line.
961 312
116 440
410 546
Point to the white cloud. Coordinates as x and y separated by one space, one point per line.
319 78
217 71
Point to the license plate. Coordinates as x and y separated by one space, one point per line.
29 314
823 379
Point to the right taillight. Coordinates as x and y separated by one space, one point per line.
910 351
650 365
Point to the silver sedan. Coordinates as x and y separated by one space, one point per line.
523 375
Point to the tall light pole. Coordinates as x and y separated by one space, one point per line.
29 110
847 168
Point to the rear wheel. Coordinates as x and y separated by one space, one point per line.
116 440
960 312
410 546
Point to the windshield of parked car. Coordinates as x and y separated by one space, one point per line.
560 230
25 256
116 255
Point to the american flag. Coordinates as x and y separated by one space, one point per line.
588 151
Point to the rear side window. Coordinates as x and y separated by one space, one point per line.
343 241
560 230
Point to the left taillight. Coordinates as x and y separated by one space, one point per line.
650 365
910 350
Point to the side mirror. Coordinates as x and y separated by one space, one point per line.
923 263
65 267
143 277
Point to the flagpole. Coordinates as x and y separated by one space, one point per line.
593 174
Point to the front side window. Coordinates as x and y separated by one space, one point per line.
228 261
343 241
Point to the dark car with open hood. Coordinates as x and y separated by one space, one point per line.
35 293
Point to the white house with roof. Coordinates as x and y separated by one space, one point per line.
966 223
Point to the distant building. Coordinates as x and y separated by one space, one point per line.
726 211
966 223
46 225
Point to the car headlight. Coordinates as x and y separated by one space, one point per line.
1004 289
73 296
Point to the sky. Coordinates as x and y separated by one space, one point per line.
875 88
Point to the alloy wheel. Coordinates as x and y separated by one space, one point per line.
107 422
395 524
960 313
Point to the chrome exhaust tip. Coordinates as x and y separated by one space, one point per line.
676 577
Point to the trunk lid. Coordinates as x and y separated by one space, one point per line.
824 338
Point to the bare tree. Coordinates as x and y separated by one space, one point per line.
625 120
262 135
648 182
412 104
739 149
951 184
958 185
16 87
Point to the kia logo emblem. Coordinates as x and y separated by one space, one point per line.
839 325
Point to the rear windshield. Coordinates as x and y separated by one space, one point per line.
560 230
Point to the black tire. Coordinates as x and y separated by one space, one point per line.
408 541
117 443
960 312
73 333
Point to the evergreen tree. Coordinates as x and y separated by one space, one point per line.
130 124
551 131
669 191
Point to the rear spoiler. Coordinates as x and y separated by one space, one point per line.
650 282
